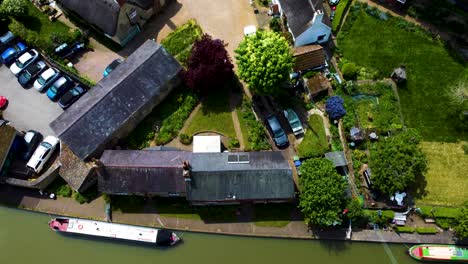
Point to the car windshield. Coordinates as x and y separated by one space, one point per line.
41 80
278 133
75 92
27 75
295 124
46 145
19 64
53 88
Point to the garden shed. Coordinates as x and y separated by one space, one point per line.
119 102
206 144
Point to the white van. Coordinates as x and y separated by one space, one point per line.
42 154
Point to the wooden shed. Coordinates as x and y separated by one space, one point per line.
308 57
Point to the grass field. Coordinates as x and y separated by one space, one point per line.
430 70
315 141
339 12
214 115
446 178
273 215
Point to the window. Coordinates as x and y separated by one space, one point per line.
238 158
321 38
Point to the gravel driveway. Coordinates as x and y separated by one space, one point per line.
27 108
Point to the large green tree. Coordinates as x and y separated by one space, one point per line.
461 223
14 8
264 61
397 161
322 192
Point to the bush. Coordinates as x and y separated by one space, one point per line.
465 148
80 198
233 143
309 74
334 107
349 71
404 229
275 24
185 139
385 217
444 223
14 8
426 230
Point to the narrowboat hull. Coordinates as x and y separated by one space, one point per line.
441 253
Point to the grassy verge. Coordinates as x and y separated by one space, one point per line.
214 115
60 187
170 116
440 212
446 177
252 130
341 8
179 42
430 68
404 229
315 142
273 215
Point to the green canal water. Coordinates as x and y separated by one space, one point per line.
26 239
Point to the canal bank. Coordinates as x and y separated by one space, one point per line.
33 201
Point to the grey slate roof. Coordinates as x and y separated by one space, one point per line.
267 176
142 172
102 13
145 4
338 158
299 13
111 109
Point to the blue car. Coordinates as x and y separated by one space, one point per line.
277 132
12 53
59 87
112 66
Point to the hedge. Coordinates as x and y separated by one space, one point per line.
404 229
426 230
440 212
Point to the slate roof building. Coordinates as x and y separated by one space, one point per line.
232 178
120 20
212 178
306 20
113 108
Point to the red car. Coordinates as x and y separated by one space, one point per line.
3 102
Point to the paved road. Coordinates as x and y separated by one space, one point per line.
27 109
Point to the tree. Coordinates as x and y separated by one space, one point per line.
349 71
397 161
14 8
334 107
264 61
461 223
322 190
209 65
355 211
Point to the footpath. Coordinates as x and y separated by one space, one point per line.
296 229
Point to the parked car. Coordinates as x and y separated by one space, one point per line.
112 66
333 2
11 54
294 121
71 96
277 131
6 39
24 61
31 139
59 87
31 72
42 154
3 102
46 78
66 51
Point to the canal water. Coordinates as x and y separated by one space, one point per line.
25 238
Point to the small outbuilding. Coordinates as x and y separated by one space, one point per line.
399 74
356 134
206 144
308 57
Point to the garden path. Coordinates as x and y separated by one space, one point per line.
234 102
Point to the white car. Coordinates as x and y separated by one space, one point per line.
42 154
46 79
24 61
250 30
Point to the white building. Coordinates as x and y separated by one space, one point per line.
306 20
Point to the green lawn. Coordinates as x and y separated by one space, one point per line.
446 178
339 12
214 115
315 141
179 42
430 68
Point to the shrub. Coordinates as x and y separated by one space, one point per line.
309 74
349 71
64 191
426 230
443 223
335 108
404 229
233 143
80 198
14 8
185 139
275 24
465 148
384 218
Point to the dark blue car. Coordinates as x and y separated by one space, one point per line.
59 87
12 53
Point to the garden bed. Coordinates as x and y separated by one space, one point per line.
252 130
179 42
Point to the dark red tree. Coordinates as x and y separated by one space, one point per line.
209 65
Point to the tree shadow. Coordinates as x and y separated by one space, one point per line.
31 22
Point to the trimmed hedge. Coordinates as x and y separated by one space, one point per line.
404 229
426 230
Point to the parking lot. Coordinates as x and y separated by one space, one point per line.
27 108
